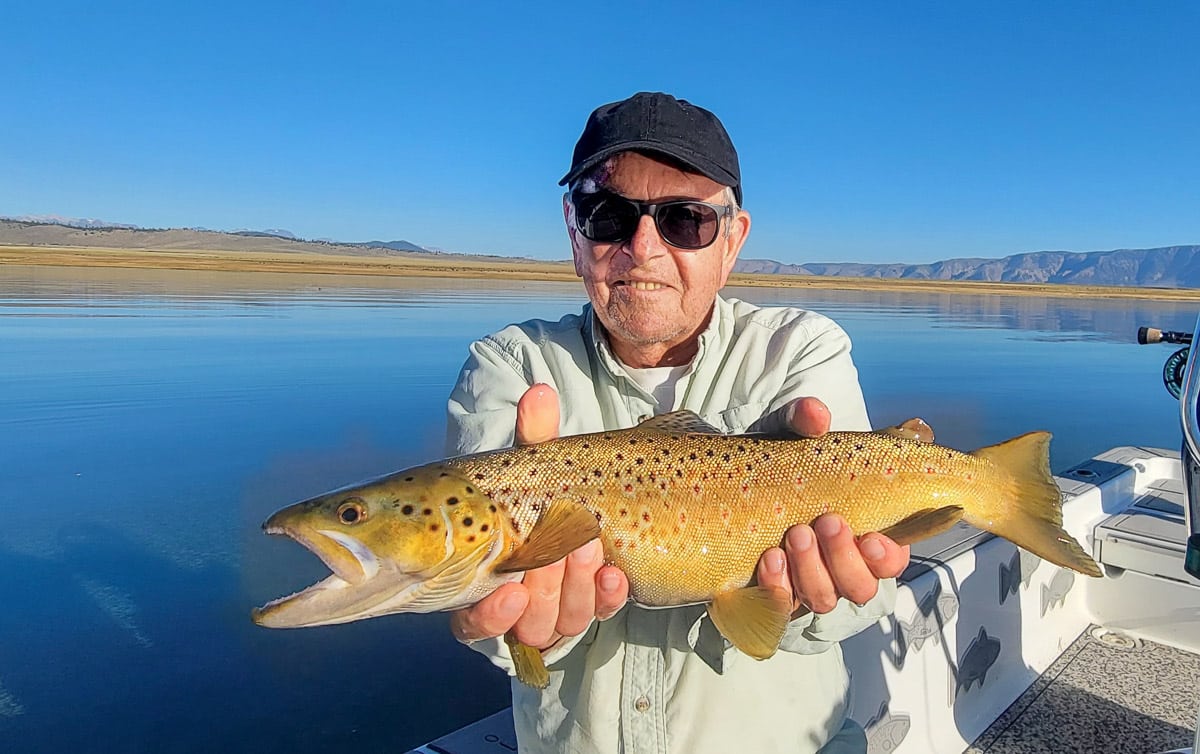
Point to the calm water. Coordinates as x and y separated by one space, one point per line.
149 421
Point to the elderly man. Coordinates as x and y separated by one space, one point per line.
653 214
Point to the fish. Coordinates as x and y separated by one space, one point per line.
931 615
886 731
1055 593
683 509
981 654
1017 573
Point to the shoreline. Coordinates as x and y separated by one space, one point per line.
483 268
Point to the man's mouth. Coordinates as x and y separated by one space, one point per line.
641 285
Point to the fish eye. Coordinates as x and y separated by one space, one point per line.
352 511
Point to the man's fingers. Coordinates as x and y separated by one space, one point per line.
851 577
809 417
537 415
612 591
577 606
772 573
811 581
535 627
491 616
885 558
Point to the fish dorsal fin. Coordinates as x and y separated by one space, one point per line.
680 423
913 429
562 528
923 524
752 618
528 663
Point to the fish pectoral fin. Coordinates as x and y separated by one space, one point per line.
913 429
562 528
530 667
680 423
923 524
752 618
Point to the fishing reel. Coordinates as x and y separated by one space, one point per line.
1176 362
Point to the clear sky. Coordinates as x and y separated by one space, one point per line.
890 131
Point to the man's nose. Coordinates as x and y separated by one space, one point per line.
645 243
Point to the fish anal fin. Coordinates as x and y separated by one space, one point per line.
530 667
913 429
752 618
680 423
562 528
923 524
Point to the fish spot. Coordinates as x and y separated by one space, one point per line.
532 451
725 457
483 527
858 446
568 462
471 538
837 441
479 476
470 490
566 487
646 516
506 462
620 457
708 453
407 510
433 527
451 501
468 521
618 543
640 461
492 508
741 448
597 473
624 511
633 441
443 474
427 512
408 479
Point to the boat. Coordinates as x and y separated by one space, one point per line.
990 649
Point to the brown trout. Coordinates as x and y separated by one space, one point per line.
682 509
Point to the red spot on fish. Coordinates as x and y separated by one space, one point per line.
853 476
566 487
629 488
619 543
929 470
646 516
696 488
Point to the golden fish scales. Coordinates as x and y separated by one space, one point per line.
687 516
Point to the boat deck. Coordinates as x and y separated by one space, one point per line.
1105 693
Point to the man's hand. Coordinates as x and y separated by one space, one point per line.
560 599
820 563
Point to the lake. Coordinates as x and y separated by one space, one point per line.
150 421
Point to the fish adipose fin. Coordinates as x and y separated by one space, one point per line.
530 667
752 618
1033 519
562 528
680 423
913 429
923 524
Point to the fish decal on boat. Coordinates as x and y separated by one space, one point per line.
1017 573
683 509
934 611
981 654
886 731
1055 593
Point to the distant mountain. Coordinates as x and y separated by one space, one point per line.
70 222
396 245
1166 267
273 232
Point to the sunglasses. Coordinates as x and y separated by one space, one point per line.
610 218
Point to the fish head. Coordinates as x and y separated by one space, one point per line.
419 540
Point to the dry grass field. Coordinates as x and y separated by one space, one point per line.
493 269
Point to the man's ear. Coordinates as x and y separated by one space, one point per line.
572 232
739 229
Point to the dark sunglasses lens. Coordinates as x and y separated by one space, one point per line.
606 219
688 225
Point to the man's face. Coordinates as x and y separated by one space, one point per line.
654 299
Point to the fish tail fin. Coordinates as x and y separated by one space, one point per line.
1032 518
528 663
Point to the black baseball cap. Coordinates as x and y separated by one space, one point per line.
659 123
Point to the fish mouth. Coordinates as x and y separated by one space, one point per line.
352 591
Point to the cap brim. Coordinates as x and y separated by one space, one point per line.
696 162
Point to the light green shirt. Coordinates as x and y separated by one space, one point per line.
664 680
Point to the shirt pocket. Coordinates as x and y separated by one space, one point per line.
738 418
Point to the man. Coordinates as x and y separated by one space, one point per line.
653 215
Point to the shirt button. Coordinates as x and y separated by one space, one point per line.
642 704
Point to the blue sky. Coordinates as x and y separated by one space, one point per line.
869 131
